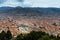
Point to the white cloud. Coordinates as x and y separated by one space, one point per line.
32 3
14 3
11 3
2 1
46 3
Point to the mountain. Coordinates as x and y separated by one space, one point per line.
30 11
44 24
49 11
21 11
3 9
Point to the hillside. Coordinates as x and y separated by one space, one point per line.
21 12
30 11
23 20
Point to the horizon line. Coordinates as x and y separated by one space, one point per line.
28 7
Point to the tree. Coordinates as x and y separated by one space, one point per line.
8 35
36 35
3 35
45 37
20 37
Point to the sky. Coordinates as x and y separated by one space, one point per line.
30 3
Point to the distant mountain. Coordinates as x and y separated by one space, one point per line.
21 12
3 9
30 11
49 11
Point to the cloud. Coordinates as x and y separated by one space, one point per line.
20 0
2 1
46 3
11 3
27 3
30 3
14 3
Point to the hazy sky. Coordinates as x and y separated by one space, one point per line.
30 3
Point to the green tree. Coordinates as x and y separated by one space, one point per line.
45 37
8 35
2 35
20 37
35 35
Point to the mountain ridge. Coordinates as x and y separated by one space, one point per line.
33 11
